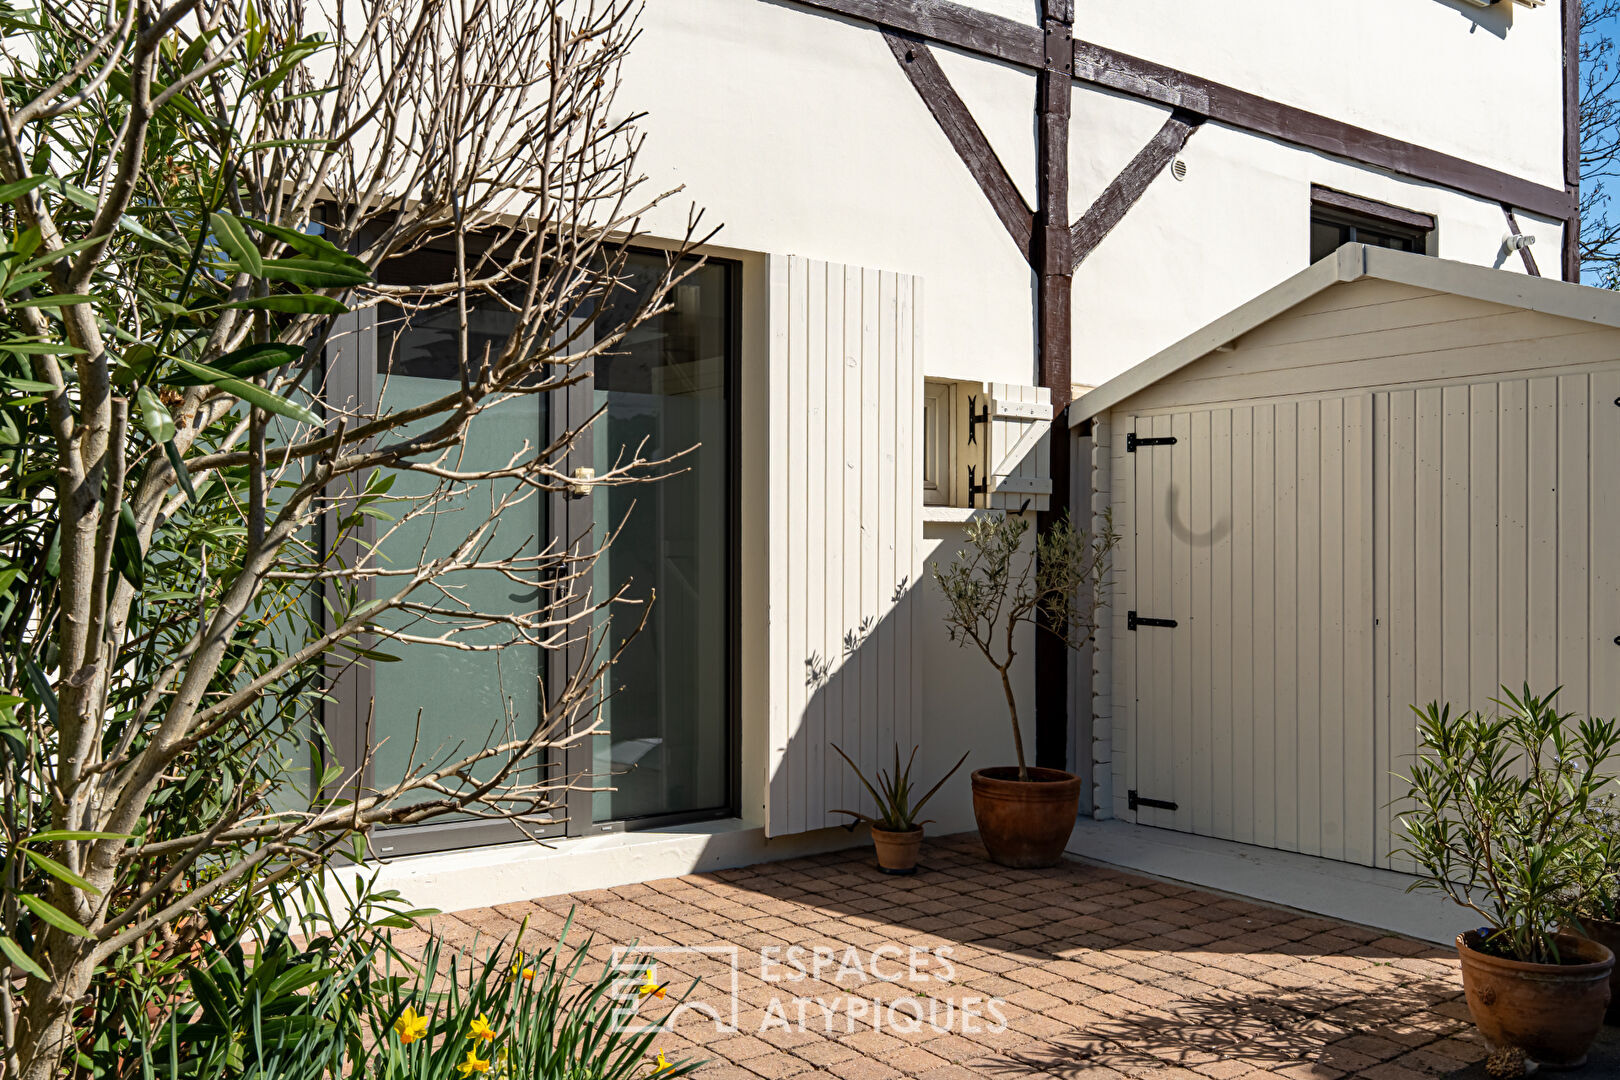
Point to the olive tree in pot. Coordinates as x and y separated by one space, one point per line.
1499 823
1025 814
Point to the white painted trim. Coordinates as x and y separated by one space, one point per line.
510 873
1356 894
956 514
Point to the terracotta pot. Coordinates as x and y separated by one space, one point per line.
897 850
1552 1012
1025 823
1607 934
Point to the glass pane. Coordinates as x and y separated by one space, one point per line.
439 703
666 746
1325 239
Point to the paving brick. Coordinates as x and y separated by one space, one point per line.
1102 975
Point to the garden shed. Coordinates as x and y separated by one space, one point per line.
1388 480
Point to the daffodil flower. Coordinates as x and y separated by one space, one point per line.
528 974
650 986
410 1027
473 1064
480 1029
663 1064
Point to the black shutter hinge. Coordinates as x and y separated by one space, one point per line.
1133 440
982 487
1136 801
976 416
1133 620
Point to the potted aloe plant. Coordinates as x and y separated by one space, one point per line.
1025 814
896 832
1500 823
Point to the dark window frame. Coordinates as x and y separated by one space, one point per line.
351 363
1355 213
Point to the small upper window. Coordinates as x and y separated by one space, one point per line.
1338 218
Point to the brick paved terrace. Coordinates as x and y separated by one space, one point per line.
1097 973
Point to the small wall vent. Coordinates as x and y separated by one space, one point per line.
1178 169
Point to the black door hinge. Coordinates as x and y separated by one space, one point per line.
1133 620
1133 440
1136 801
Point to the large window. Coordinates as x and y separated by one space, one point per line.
1338 218
665 744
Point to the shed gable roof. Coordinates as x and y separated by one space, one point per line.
1358 262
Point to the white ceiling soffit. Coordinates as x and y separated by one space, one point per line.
1353 262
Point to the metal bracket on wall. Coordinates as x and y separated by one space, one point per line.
1133 620
1133 440
1137 801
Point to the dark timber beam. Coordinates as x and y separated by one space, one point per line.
966 136
941 21
1250 112
999 38
1054 318
1122 194
1572 139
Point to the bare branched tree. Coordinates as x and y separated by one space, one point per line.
1600 139
202 201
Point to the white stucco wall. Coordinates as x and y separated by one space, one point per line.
1481 83
799 134
1194 249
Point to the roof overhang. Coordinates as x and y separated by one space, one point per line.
1353 262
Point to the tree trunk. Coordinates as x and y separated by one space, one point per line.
1012 710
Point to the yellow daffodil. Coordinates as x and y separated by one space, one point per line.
650 986
480 1029
663 1064
473 1064
528 974
517 968
410 1026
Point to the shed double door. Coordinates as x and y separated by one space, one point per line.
1254 712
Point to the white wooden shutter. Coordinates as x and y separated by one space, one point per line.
845 466
1018 449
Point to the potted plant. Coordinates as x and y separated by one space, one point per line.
1499 823
1025 814
896 832
1597 900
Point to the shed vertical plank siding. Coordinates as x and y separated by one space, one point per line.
1511 583
1254 532
1574 544
1201 748
1221 732
1543 573
1493 529
1384 496
1359 746
1262 497
846 516
1603 423
1240 546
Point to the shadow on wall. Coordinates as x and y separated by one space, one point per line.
894 680
1496 19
